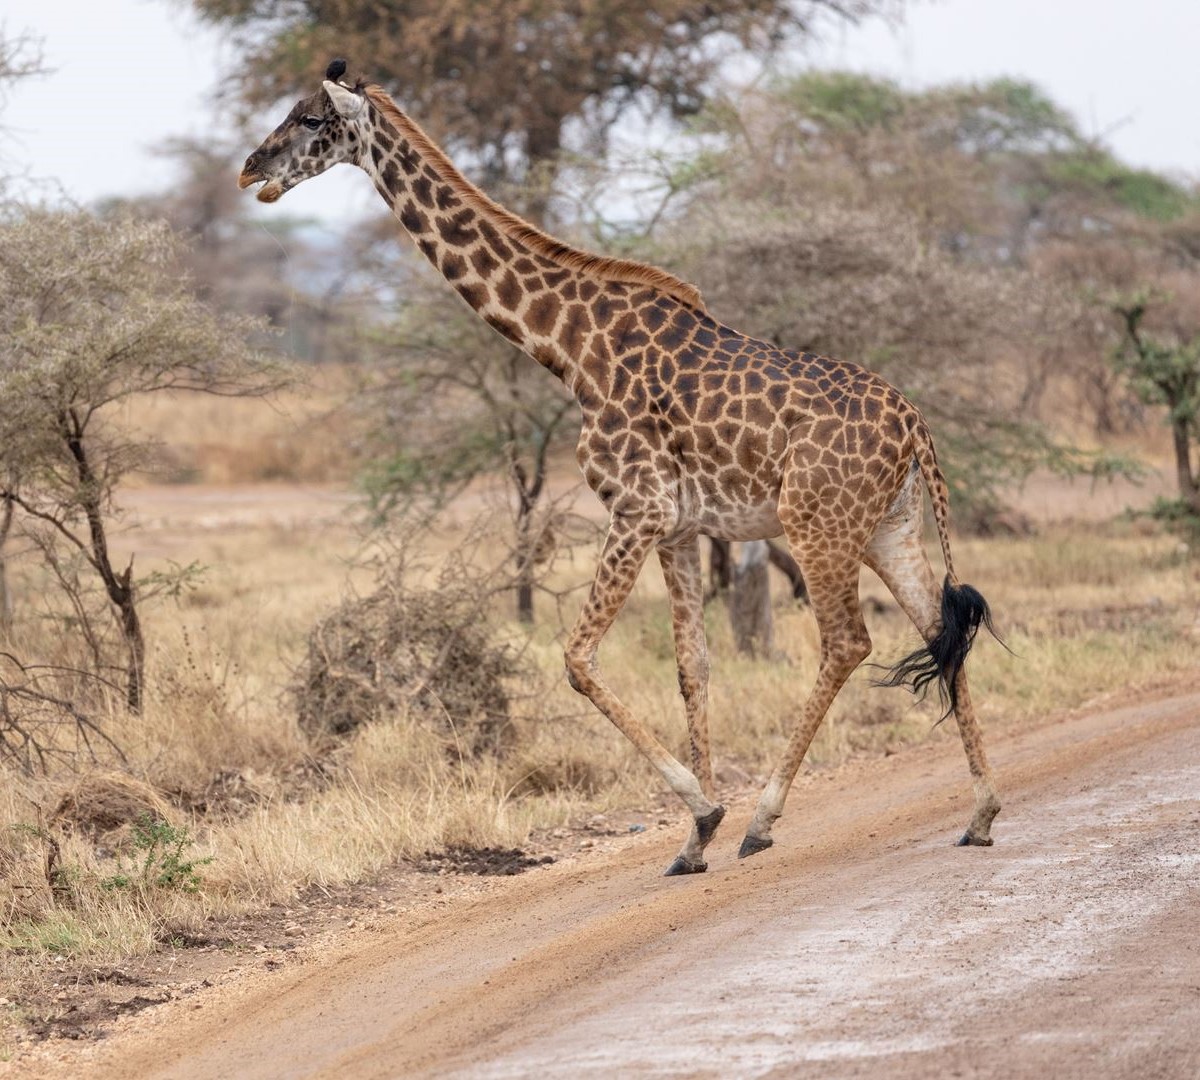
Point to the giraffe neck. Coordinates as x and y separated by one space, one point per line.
537 302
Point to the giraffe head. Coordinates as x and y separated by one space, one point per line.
320 131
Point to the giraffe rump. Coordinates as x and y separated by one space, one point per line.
939 661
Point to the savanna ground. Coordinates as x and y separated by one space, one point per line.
305 841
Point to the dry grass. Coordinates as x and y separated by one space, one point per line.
305 434
218 749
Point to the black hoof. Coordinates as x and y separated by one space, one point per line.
682 866
706 826
967 840
752 845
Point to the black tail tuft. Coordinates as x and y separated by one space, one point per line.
964 610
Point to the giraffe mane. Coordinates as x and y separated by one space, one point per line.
585 262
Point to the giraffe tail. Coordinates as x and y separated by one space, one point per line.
964 609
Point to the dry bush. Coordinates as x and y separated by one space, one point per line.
100 803
553 761
406 648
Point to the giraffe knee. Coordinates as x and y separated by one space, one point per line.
580 665
853 647
693 678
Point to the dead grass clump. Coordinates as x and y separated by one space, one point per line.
100 803
430 652
232 793
566 773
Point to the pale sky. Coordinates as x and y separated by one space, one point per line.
131 73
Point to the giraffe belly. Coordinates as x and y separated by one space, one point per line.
737 521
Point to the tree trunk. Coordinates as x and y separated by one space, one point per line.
750 600
525 555
119 587
123 594
720 568
542 148
131 630
6 519
1189 487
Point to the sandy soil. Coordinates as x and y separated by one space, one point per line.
862 944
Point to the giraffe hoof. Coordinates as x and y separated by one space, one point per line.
706 826
682 866
967 840
752 845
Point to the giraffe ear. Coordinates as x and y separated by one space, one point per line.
347 102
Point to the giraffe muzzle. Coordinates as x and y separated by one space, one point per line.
270 192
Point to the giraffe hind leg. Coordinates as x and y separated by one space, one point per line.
897 555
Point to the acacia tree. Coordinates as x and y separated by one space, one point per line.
93 313
20 58
1164 369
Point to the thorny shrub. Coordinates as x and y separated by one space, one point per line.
432 651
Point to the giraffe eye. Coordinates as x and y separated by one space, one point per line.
311 122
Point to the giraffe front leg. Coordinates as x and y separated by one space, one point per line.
628 544
683 574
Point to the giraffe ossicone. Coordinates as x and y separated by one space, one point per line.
689 428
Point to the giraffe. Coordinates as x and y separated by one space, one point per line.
688 428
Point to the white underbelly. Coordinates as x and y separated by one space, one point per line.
741 522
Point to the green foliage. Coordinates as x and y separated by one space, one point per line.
1165 370
429 472
985 456
1147 194
174 582
160 863
841 100
1179 518
1162 373
689 172
1007 114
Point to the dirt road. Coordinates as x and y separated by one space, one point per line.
862 944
